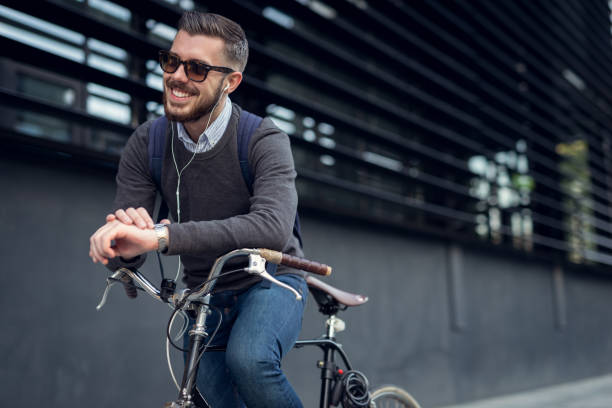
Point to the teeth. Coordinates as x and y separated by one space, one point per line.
179 94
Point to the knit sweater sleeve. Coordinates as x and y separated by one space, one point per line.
135 186
270 219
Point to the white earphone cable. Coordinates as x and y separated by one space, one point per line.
180 173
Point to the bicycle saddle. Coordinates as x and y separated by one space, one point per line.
342 297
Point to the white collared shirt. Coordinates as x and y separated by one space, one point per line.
208 139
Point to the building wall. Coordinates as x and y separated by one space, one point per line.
449 322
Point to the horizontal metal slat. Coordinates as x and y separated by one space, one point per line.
91 25
40 58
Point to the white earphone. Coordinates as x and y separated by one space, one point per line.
226 88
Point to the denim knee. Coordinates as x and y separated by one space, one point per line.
251 364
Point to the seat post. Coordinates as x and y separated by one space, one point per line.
328 369
334 325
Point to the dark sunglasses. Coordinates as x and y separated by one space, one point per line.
195 70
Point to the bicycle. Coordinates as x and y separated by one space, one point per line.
338 386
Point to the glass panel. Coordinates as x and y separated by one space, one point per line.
49 91
107 64
111 9
109 110
47 127
44 43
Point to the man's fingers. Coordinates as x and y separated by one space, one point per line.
137 217
110 218
132 216
123 217
100 243
145 216
105 238
93 247
165 221
91 252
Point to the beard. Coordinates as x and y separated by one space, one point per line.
196 112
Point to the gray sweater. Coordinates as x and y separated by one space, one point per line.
217 212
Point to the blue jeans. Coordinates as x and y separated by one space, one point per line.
259 326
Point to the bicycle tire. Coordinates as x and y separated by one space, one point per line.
390 396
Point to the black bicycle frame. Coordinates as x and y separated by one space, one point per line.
327 365
198 334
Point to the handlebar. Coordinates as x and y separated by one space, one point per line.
257 260
294 262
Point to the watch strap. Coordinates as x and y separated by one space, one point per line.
163 236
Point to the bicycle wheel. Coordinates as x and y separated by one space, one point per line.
390 396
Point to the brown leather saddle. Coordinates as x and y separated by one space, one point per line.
331 299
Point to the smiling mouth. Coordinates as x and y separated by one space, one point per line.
179 94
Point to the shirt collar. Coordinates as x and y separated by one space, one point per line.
208 139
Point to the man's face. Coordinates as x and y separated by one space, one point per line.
184 99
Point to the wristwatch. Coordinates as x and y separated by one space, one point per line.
163 236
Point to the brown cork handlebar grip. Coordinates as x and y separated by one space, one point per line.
295 262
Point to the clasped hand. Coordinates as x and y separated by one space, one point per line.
127 233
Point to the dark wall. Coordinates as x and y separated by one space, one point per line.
53 337
526 328
448 323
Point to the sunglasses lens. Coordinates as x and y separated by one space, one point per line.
196 72
168 63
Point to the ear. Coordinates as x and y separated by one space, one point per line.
233 80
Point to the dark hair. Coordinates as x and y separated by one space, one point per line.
214 25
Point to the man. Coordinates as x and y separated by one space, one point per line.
214 212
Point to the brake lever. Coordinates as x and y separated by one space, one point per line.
110 281
257 266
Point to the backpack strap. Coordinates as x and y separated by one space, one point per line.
156 147
247 125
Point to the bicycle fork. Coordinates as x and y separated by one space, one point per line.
189 397
199 334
